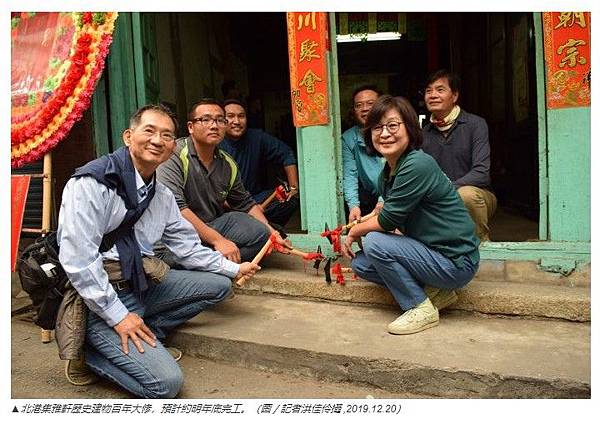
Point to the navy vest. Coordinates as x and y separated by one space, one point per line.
116 172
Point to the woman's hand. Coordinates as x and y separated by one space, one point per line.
347 246
378 208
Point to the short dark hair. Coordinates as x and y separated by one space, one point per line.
409 117
372 87
452 77
235 102
364 87
136 118
203 101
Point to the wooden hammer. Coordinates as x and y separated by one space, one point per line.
358 221
255 261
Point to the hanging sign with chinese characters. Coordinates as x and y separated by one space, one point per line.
307 47
567 55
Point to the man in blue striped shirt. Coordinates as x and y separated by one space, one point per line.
126 325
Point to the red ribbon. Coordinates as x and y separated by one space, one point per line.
280 194
339 276
335 236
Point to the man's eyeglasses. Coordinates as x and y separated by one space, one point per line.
167 137
392 127
360 105
206 121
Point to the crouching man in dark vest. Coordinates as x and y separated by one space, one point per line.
113 211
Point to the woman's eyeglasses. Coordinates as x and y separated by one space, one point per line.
392 127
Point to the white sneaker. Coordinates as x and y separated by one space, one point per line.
419 318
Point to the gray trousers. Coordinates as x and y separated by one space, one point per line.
248 234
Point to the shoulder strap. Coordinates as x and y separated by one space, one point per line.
233 166
185 162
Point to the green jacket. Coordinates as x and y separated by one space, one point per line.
422 203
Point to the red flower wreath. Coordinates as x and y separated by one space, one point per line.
40 128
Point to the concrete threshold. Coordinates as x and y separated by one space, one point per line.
466 356
524 299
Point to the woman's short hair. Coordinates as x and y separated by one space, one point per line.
409 117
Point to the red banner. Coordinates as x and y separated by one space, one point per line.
567 55
307 47
19 184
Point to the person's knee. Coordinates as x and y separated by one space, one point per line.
257 228
471 196
491 202
222 287
212 287
360 263
373 245
167 385
262 235
254 231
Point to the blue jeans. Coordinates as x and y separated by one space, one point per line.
152 374
405 265
248 233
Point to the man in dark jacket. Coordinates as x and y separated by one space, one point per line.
459 142
256 153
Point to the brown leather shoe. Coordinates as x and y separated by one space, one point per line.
78 373
175 353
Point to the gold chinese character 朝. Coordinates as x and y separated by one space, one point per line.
309 80
568 19
307 50
570 49
304 20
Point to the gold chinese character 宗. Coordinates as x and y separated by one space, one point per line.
572 56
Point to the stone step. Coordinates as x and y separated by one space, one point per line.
203 379
467 355
282 275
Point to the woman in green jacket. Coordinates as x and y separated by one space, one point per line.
422 245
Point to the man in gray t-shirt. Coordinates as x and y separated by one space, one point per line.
208 189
